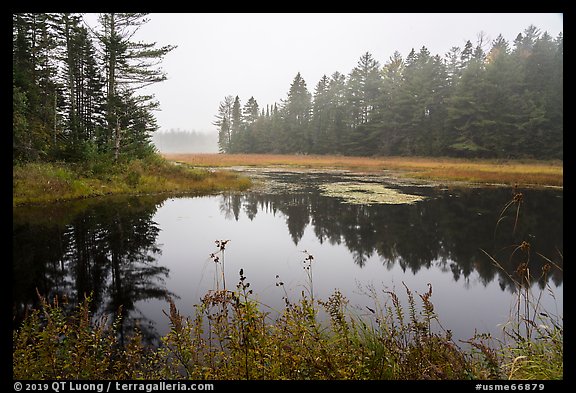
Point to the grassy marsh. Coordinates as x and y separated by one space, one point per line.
231 337
511 172
50 182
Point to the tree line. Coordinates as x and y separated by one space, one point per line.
489 99
77 90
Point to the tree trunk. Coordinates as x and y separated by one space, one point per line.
117 140
113 119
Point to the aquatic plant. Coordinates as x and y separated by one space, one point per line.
367 193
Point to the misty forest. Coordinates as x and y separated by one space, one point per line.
180 141
301 239
75 91
489 99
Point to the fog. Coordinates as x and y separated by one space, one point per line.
259 54
185 141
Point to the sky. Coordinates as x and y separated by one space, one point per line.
258 55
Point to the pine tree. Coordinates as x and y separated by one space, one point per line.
22 85
364 90
82 97
320 117
389 119
130 66
296 115
224 123
466 54
420 103
250 115
452 61
337 113
236 127
466 113
364 86
250 111
276 130
34 87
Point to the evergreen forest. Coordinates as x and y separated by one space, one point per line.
78 91
78 95
491 99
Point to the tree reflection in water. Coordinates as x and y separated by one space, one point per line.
106 249
450 227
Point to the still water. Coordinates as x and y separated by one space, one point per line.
134 252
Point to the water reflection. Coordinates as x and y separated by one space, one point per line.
459 229
109 247
104 248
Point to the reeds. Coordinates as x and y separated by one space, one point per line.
533 345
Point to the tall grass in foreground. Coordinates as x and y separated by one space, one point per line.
231 337
536 334
52 345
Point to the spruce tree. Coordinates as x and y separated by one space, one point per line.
296 115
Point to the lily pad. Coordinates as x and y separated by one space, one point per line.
368 194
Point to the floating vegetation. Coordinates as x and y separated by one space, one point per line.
263 183
367 194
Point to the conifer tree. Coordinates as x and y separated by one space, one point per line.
296 115
224 123
236 126
320 117
130 66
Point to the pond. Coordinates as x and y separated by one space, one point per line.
366 233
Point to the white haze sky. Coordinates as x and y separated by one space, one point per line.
259 54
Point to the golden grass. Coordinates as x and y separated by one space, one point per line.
46 182
520 172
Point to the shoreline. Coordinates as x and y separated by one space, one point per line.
37 183
475 172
